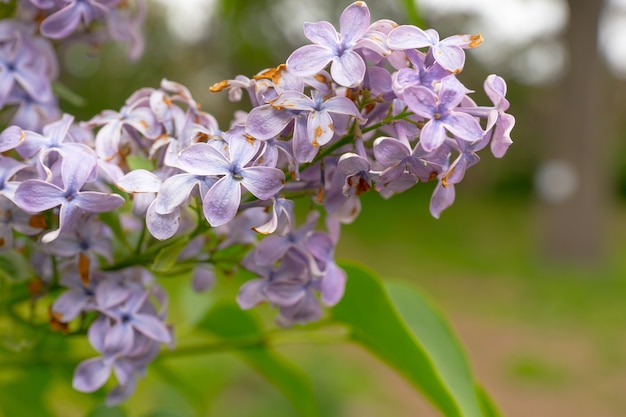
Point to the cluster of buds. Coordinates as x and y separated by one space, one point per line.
375 106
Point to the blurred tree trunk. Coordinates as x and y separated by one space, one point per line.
575 228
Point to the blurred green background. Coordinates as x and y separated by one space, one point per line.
529 263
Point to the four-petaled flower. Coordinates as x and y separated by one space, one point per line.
221 202
76 169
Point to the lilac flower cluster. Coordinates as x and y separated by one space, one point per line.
373 106
28 61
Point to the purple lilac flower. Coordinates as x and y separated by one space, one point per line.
441 111
356 171
67 19
116 126
221 202
319 123
76 168
448 52
129 320
333 281
348 67
21 64
499 123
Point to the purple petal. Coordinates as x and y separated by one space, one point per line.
293 100
97 331
389 151
433 135
271 249
203 278
222 201
35 196
450 57
309 60
501 139
34 84
322 33
7 81
351 163
348 69
408 37
60 24
91 375
152 327
251 293
69 304
333 284
263 182
108 140
139 181
265 122
118 340
175 192
303 149
307 310
285 293
204 159
442 197
10 138
110 293
341 105
421 101
319 128
162 226
354 22
95 202
463 126
242 149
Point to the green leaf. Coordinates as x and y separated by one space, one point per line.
487 404
229 322
398 325
167 257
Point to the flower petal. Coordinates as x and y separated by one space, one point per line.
322 33
309 60
463 126
265 122
348 69
222 201
152 327
433 135
354 22
91 375
408 37
263 182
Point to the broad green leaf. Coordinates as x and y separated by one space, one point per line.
487 404
399 326
229 322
